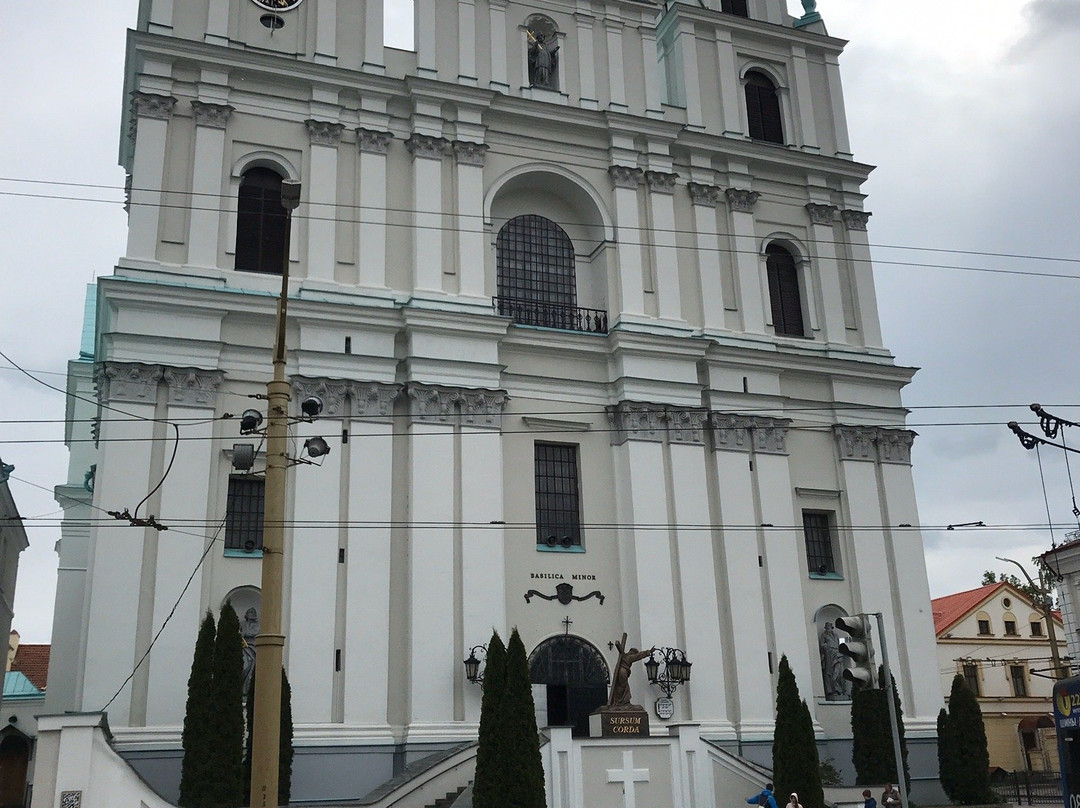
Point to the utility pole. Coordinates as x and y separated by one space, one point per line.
266 729
894 722
1046 608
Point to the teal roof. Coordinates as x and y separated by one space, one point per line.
17 686
89 327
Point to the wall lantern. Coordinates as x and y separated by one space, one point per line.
472 665
676 669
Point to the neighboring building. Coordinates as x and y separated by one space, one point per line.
586 291
996 638
1063 563
12 542
25 681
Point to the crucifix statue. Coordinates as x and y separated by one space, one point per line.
620 680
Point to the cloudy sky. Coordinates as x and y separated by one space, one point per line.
968 107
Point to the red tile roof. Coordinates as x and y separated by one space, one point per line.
32 660
949 609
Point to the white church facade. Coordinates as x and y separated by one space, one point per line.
585 288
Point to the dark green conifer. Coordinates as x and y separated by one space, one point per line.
872 746
525 789
967 761
946 761
795 758
198 763
227 785
489 780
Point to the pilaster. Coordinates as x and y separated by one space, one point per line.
858 244
427 153
626 181
321 191
425 37
704 199
662 235
585 21
823 257
748 273
613 26
500 81
467 42
152 116
374 59
208 167
469 164
732 100
374 147
806 136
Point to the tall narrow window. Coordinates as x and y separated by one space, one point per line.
736 7
784 294
970 671
244 516
817 530
260 222
1019 680
536 280
763 108
558 503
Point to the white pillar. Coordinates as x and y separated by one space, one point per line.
748 276
161 17
662 235
839 113
467 42
653 106
732 100
862 269
616 74
209 167
500 81
686 42
217 22
806 136
374 58
469 164
630 297
707 241
427 155
148 173
371 252
321 191
426 38
326 33
826 268
586 56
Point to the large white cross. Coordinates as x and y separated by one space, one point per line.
628 775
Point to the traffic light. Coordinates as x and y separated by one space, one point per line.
860 649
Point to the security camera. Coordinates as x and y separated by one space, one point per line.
311 406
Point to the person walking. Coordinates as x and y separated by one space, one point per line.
890 797
868 799
793 801
765 798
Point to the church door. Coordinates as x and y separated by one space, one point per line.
14 754
576 678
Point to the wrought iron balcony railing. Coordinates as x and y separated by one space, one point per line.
552 315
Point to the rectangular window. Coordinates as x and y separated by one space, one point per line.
1010 628
818 532
736 7
970 671
244 516
558 501
1036 628
1019 680
984 626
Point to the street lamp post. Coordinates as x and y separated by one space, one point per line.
266 729
1046 607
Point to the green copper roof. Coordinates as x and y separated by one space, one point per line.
86 345
17 686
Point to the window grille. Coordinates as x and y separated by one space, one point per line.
535 260
1019 681
970 671
558 508
244 514
817 531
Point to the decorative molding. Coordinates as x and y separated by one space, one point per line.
687 425
817 493
215 116
470 154
131 382
743 433
632 420
324 133
482 407
541 423
894 445
855 219
564 593
821 214
433 148
873 443
193 386
661 182
331 391
373 399
742 200
431 404
373 141
149 105
708 195
625 176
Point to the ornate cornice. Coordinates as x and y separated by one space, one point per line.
433 148
470 154
687 426
373 400
894 445
742 200
708 195
855 219
874 444
214 116
482 408
471 407
324 133
634 420
626 176
661 182
743 433
149 105
821 214
331 391
192 386
373 141
131 382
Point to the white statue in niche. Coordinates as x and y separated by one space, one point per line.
249 630
833 664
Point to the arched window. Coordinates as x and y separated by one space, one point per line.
576 680
784 292
536 278
763 108
261 222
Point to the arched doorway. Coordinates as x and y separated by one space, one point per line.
14 756
575 677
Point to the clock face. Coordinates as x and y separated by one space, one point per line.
278 5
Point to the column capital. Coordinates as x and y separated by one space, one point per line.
875 444
626 176
743 433
661 182
331 391
373 400
432 148
372 141
636 420
193 386
741 199
468 153
707 195
324 133
214 116
129 382
855 219
431 404
821 214
482 408
149 105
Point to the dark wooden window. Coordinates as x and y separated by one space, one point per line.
1036 628
984 626
970 672
1019 681
763 108
261 222
784 294
817 530
558 506
1010 627
535 263
244 514
736 7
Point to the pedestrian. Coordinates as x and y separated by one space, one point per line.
890 797
765 798
868 799
793 801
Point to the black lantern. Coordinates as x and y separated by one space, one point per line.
472 664
676 669
652 669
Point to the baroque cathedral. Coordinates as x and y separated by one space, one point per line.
585 290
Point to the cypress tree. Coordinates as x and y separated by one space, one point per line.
968 757
525 789
872 747
946 758
795 758
197 739
490 777
901 733
227 784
